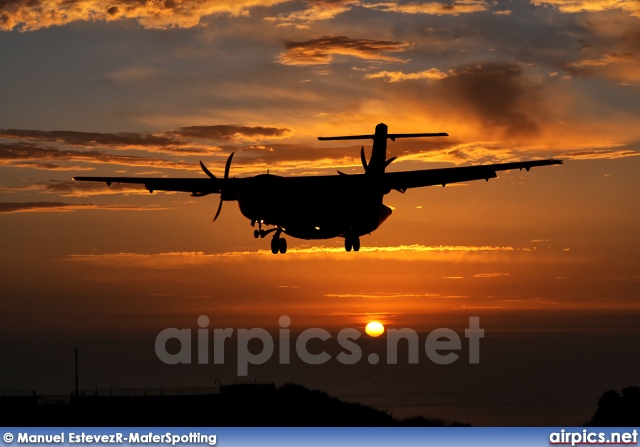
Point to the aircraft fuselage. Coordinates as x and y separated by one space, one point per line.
307 210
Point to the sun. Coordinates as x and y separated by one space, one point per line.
374 328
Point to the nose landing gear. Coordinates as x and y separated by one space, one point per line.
278 244
260 232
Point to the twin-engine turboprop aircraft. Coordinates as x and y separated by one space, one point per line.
326 206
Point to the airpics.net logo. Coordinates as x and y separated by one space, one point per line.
441 346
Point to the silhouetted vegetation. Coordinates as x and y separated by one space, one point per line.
618 409
235 405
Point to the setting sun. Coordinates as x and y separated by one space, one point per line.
374 329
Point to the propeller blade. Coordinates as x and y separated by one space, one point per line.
364 159
219 209
228 165
226 176
206 171
389 161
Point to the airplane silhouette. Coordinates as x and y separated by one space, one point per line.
326 206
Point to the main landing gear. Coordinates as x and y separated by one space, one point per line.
278 244
352 242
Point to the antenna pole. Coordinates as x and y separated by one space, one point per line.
76 372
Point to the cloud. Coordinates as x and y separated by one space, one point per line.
381 295
131 74
16 154
497 101
174 142
88 189
576 6
234 133
315 10
477 152
30 15
47 207
397 76
377 295
127 140
65 188
321 51
498 94
52 167
400 252
610 154
623 66
490 275
454 8
283 157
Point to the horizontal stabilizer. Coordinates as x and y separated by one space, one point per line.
350 137
392 136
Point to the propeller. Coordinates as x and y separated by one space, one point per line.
364 159
389 161
223 184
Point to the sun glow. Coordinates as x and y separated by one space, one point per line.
374 329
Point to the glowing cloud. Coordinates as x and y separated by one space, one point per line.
321 51
574 6
401 252
47 207
397 76
434 8
316 10
30 15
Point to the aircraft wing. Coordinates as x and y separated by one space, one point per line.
401 181
196 186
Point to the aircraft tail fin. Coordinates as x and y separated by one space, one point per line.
378 161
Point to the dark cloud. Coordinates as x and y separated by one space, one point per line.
22 207
15 207
611 46
594 154
499 95
172 142
51 166
67 188
322 50
20 152
127 139
230 132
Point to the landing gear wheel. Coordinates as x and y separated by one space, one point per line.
275 245
256 234
348 244
356 244
282 245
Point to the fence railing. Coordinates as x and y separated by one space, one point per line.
129 392
17 393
